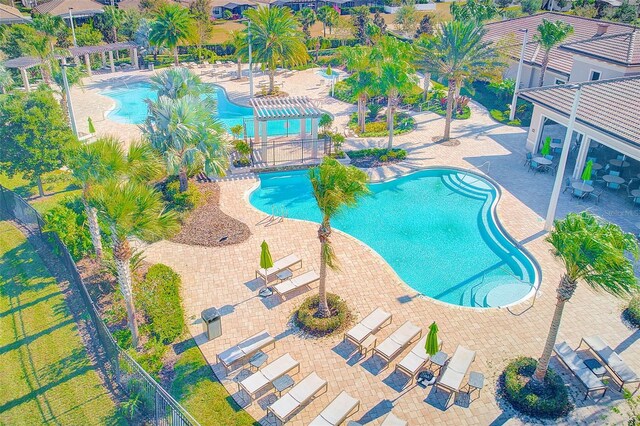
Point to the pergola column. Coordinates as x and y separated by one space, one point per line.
113 67
87 63
314 136
263 140
104 59
133 53
582 157
303 128
25 79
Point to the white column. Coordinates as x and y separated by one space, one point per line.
314 136
104 59
303 128
25 79
582 157
87 63
113 68
134 58
557 185
263 139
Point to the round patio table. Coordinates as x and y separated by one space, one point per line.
581 186
541 160
596 166
619 163
635 193
612 179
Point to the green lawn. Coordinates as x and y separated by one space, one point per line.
45 374
57 185
195 388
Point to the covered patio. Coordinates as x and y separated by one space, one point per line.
85 52
23 64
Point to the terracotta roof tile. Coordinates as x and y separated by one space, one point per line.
623 48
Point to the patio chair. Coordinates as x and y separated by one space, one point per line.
397 341
298 396
369 325
263 378
246 348
291 284
579 194
456 370
613 185
621 371
576 365
279 266
415 360
596 195
527 159
393 420
334 414
567 185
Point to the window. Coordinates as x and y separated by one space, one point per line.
595 75
558 81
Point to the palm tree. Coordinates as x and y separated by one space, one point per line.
6 81
550 34
307 18
74 78
238 39
396 74
171 26
329 17
113 18
595 252
104 159
457 52
49 25
276 39
131 209
178 82
187 135
41 46
357 59
335 186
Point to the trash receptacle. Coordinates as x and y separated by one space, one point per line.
151 66
212 323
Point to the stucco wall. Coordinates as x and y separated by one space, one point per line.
582 67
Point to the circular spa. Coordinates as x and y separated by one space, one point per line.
436 228
131 108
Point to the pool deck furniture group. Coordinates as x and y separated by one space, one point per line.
456 369
368 326
579 368
620 370
415 360
390 347
334 414
268 374
291 284
246 349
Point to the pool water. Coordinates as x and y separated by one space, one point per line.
434 227
131 108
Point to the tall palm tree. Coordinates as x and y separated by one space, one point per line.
594 252
457 53
335 186
49 25
238 39
6 81
41 46
187 135
131 209
113 18
74 78
549 35
178 82
396 74
173 24
357 59
307 18
276 39
329 17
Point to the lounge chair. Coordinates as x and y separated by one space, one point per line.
413 362
621 371
337 411
246 348
456 370
397 341
262 378
279 266
573 362
369 325
291 284
393 420
298 396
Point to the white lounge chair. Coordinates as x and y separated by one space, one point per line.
413 362
343 406
456 370
246 348
397 341
294 283
262 378
279 266
369 325
393 420
298 396
576 365
621 371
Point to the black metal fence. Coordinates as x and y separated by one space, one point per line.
289 151
158 406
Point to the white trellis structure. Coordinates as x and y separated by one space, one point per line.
285 108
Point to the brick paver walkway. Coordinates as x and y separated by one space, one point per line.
224 277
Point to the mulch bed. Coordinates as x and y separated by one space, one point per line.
209 226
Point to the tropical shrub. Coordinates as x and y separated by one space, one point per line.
181 201
244 151
548 401
374 110
402 123
151 357
530 6
307 319
633 311
158 295
68 220
343 91
379 153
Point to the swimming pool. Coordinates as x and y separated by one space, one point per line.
132 109
435 228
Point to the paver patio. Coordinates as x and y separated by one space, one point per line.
223 277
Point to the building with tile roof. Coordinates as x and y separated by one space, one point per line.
80 8
10 15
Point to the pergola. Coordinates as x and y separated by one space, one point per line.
25 62
287 108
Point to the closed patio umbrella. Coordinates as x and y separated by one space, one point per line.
586 173
266 262
431 345
546 147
